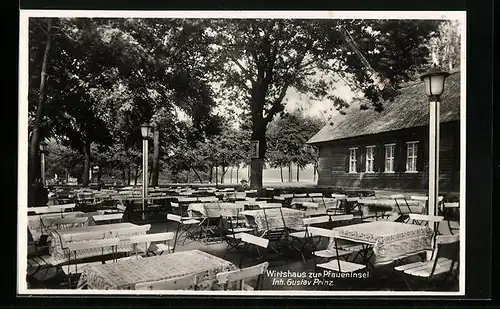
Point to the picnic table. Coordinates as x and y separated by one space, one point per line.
389 240
60 238
125 275
268 219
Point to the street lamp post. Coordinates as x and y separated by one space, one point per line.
145 131
43 150
434 86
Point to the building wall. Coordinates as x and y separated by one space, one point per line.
334 161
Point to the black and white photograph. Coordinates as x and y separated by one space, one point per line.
241 153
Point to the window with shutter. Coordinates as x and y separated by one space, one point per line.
389 158
353 160
411 156
370 159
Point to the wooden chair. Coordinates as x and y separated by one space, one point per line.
98 219
253 241
447 207
421 198
300 195
440 268
74 247
181 283
234 228
241 275
336 207
334 263
270 205
189 227
303 238
162 243
401 201
426 220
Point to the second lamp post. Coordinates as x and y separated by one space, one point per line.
145 131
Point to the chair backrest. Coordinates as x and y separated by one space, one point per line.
174 204
315 194
342 217
451 205
352 199
427 218
423 198
70 220
300 194
64 206
270 205
242 274
184 282
419 198
144 228
317 231
94 243
84 236
286 195
205 199
338 196
166 236
108 217
251 239
121 207
316 220
175 218
398 196
44 210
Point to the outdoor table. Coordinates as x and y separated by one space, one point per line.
39 225
268 219
124 275
212 210
390 241
59 245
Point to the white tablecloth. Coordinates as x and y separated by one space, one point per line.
390 240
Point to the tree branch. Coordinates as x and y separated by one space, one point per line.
245 72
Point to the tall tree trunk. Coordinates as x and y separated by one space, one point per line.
136 175
35 134
281 173
298 170
231 177
257 164
187 180
129 174
86 164
155 170
216 175
124 175
197 175
314 172
290 172
210 174
224 170
238 174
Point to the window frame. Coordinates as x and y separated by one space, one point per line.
414 157
355 160
372 160
393 159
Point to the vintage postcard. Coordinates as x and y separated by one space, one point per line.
320 153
